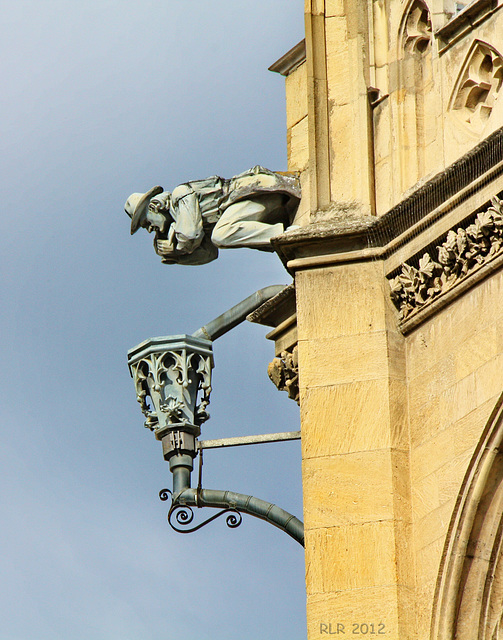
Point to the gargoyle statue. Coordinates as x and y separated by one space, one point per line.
197 218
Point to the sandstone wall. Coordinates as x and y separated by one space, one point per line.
454 368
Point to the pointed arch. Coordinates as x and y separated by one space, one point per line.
468 600
416 109
415 29
477 86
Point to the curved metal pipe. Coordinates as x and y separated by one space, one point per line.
244 504
236 314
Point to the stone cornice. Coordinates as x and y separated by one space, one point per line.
451 211
323 242
291 60
347 231
467 19
446 184
275 310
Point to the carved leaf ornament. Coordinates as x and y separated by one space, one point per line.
417 31
284 373
478 85
462 252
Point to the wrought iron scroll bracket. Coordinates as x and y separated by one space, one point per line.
180 516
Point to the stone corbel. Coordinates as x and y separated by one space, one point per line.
284 373
280 313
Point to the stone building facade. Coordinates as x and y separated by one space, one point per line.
395 323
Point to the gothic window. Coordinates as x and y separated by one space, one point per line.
478 85
416 78
417 31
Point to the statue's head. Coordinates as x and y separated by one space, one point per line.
149 210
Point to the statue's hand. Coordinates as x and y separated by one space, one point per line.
165 247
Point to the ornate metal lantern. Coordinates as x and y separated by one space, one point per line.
172 376
174 372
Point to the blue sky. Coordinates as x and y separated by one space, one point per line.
100 99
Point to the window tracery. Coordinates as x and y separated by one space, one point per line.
478 85
417 32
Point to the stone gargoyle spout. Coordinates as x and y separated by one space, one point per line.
197 218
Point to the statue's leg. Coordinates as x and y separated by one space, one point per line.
251 223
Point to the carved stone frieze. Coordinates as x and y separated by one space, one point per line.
172 377
284 373
463 252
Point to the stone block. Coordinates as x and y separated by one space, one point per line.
450 476
303 213
433 160
346 418
426 346
424 594
432 454
349 488
427 567
347 138
428 564
470 427
433 526
339 72
425 422
404 550
459 399
476 310
298 146
398 412
334 8
488 379
430 382
343 359
296 96
348 300
476 350
396 355
425 498
400 476
350 557
375 606
382 128
383 177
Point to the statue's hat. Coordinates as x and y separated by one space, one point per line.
137 204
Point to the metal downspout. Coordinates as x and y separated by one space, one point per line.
236 314
185 496
244 504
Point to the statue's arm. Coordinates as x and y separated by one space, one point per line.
205 252
188 221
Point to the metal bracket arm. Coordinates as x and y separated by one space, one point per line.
233 504
239 441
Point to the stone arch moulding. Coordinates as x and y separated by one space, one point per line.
416 106
415 31
468 601
478 85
